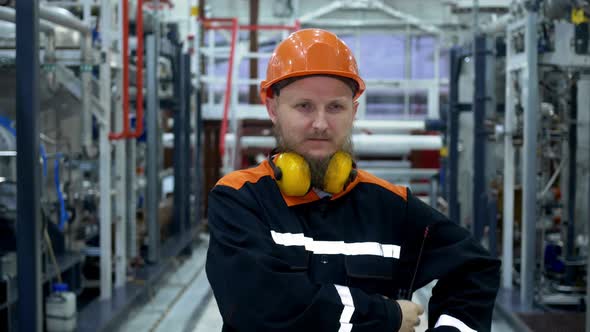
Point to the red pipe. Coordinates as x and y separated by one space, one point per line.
125 37
208 23
127 133
228 85
139 73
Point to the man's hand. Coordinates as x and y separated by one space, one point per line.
410 313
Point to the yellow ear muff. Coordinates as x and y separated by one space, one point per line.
338 172
295 178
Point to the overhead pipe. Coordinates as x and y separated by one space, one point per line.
8 14
127 132
364 145
65 18
388 126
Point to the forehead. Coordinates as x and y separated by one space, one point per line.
317 87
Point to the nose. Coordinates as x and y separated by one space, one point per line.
320 122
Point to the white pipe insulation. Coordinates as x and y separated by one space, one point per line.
373 145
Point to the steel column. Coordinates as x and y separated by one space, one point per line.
197 152
152 164
119 181
453 143
131 190
508 193
105 154
479 196
583 96
179 148
28 175
529 170
588 264
570 195
186 69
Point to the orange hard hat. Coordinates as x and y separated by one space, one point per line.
310 52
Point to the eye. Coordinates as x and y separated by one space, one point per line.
335 107
303 106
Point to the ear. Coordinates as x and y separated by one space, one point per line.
271 108
355 106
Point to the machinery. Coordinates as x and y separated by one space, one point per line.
104 218
523 124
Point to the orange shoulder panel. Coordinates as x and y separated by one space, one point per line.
237 179
365 177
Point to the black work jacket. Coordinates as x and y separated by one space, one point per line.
280 263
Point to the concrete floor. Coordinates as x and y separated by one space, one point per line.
184 302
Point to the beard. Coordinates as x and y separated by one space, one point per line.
317 166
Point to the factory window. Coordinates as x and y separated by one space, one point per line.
382 56
422 55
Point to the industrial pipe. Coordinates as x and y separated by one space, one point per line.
127 133
498 25
125 53
139 72
63 17
235 27
388 126
255 27
8 14
373 145
228 86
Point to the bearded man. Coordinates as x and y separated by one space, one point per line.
305 241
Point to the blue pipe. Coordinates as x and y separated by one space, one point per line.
63 214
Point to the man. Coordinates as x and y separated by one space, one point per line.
306 242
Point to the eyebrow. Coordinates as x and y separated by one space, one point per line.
335 100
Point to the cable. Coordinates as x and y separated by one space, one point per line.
52 256
409 295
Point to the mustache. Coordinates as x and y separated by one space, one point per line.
318 136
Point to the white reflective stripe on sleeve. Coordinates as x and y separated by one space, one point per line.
446 320
345 328
346 314
336 247
348 311
289 239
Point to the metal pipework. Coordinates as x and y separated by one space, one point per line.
8 14
63 17
403 173
529 164
498 25
374 145
388 126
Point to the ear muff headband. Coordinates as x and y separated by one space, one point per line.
293 175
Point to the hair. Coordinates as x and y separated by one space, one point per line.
276 88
